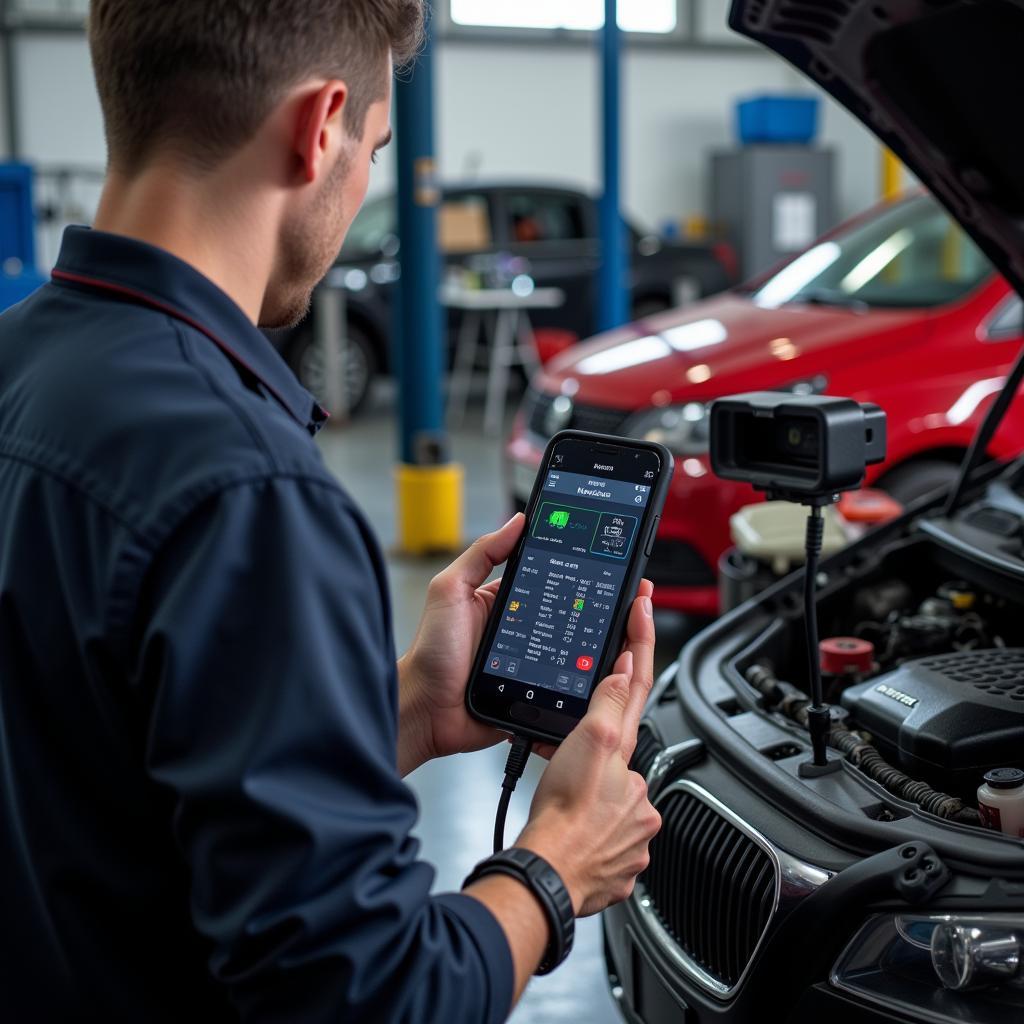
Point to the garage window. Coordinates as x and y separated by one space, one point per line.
657 17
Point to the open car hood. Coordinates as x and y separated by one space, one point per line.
937 81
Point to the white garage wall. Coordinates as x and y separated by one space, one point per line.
59 113
515 110
677 106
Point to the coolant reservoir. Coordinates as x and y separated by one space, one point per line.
774 532
1001 801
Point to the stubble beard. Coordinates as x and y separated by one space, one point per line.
307 252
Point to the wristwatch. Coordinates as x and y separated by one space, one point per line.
547 886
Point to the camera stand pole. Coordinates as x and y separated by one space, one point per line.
818 714
805 449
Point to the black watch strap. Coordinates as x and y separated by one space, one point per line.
547 886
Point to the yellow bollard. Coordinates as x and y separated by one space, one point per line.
892 173
952 252
429 508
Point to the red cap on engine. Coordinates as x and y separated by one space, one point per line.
868 505
846 655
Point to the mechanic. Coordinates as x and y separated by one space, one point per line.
204 728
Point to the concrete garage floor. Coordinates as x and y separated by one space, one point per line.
458 795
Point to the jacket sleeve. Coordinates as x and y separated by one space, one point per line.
268 669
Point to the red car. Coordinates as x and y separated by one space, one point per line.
897 307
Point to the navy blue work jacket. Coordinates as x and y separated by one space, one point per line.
201 817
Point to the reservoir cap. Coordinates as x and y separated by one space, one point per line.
1005 778
843 655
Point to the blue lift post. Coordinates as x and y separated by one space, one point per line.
428 485
613 285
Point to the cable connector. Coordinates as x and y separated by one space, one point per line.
815 534
515 765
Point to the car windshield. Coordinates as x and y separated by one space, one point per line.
375 222
910 255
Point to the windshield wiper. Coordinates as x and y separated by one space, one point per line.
827 297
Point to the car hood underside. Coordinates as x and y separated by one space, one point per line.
936 80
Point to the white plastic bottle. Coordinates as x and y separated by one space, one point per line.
1001 801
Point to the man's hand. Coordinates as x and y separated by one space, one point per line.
434 672
591 818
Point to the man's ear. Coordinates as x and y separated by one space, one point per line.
319 111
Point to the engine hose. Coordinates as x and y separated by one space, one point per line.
793 703
862 754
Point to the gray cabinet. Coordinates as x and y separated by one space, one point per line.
772 202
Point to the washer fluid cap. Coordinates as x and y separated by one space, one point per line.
1005 778
846 655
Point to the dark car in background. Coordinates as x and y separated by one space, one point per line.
890 888
553 231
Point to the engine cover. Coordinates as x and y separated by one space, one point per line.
947 718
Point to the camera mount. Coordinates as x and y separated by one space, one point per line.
806 449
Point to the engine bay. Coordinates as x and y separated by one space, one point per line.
926 691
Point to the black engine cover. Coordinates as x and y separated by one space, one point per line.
947 718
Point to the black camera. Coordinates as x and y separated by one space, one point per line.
802 448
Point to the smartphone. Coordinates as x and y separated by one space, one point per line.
560 614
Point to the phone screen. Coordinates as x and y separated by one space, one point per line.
548 643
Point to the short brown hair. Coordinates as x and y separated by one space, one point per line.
203 75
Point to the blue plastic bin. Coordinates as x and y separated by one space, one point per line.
778 119
14 289
17 218
18 274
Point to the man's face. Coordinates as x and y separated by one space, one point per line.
314 231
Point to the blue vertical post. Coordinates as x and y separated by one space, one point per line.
428 485
419 315
612 292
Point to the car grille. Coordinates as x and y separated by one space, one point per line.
711 886
674 563
595 418
648 747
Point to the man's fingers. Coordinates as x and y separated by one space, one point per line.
640 643
477 562
640 627
623 664
602 724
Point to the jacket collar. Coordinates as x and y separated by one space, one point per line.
142 273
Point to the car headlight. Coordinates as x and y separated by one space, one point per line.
681 428
939 967
685 428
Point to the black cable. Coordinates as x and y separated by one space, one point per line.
817 713
986 432
515 765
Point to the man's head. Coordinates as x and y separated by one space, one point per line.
291 96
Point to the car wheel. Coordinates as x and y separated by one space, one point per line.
908 483
358 369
